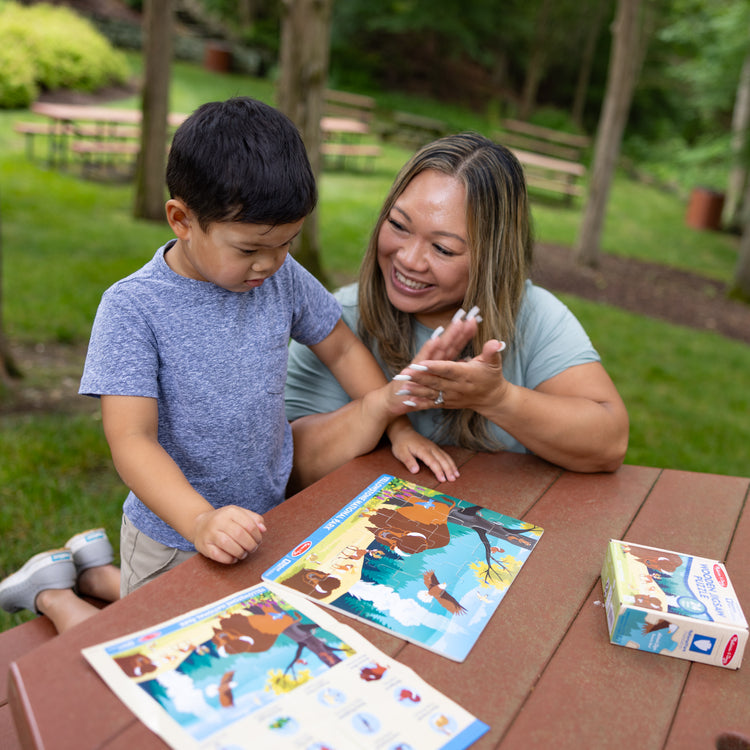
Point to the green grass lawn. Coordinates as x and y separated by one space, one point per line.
66 239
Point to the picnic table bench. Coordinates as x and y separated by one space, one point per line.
31 130
345 104
14 643
413 131
343 133
552 159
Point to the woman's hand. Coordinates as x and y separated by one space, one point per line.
474 384
448 344
575 419
323 442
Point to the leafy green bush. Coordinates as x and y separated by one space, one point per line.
50 47
17 73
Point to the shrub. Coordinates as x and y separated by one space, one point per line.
17 75
61 48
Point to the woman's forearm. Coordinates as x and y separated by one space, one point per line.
574 432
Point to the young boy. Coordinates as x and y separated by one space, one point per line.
189 353
189 357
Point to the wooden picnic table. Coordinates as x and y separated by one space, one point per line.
542 674
87 113
96 132
551 172
91 131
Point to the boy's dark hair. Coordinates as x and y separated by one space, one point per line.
241 160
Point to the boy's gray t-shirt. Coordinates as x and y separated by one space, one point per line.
549 340
216 363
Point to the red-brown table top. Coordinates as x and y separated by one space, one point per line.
542 674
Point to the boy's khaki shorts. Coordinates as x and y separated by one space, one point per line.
142 559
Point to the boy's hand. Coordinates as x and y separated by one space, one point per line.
407 445
228 534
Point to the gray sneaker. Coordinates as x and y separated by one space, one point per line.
53 569
89 549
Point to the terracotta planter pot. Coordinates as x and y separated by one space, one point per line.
704 209
217 57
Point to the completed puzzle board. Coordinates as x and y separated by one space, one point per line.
413 561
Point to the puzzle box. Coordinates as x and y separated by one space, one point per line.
672 603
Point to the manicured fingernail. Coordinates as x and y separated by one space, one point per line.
409 403
460 313
403 392
402 377
501 346
437 332
421 368
473 313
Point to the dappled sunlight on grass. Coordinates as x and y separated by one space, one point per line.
688 404
56 479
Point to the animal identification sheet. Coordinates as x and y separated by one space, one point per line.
265 668
413 561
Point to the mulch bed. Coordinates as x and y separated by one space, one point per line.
649 289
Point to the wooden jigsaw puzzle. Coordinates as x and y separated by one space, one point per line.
413 561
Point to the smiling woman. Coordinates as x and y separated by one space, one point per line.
423 250
454 233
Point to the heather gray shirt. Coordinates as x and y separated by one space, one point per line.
215 361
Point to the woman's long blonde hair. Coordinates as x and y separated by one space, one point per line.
499 232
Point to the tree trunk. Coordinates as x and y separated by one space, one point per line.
8 367
732 218
537 62
246 13
742 270
305 46
624 60
149 190
587 61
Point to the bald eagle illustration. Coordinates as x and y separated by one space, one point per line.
436 590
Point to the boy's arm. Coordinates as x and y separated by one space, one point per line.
131 428
323 442
352 363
